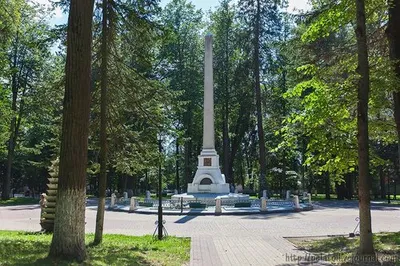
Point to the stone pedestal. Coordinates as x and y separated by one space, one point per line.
287 194
263 207
208 178
113 199
296 202
133 205
218 209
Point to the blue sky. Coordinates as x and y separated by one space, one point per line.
60 18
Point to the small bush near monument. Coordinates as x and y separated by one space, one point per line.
342 250
197 205
242 204
22 248
146 204
19 201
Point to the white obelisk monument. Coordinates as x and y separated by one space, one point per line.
208 178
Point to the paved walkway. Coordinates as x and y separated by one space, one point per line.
230 240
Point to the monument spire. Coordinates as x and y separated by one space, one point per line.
208 178
208 116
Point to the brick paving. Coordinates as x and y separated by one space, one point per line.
229 240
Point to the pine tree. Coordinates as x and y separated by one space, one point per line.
69 226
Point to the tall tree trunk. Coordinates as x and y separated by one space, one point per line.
393 33
177 185
98 236
225 136
260 129
225 127
366 245
327 186
11 142
382 182
188 170
349 185
69 225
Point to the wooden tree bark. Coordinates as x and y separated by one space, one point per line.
393 33
327 180
5 195
260 129
225 126
177 183
225 134
366 245
98 236
69 226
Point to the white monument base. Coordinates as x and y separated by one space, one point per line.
208 178
212 188
209 196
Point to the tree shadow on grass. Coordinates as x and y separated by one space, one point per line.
36 254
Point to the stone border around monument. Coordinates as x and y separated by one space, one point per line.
214 206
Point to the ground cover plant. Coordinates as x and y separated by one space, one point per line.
24 248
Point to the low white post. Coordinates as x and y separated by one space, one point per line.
264 194
218 209
287 194
309 199
125 196
263 204
113 197
132 207
296 202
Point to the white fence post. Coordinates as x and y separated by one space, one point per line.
263 204
132 207
218 209
264 194
296 202
112 204
287 194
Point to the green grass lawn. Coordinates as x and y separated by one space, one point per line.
343 250
19 201
22 248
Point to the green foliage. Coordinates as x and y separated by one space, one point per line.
155 75
323 95
28 94
137 101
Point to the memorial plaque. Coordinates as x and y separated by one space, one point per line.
207 161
